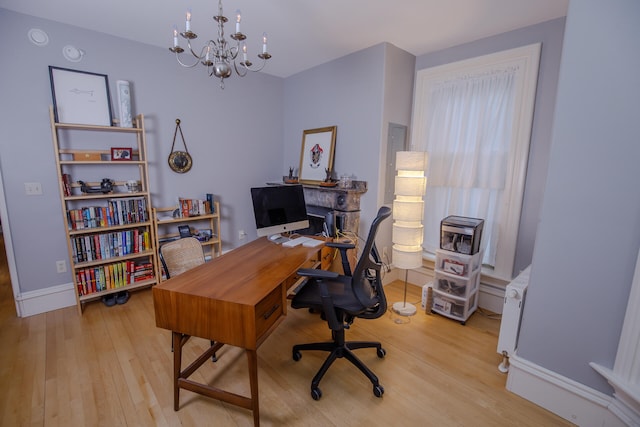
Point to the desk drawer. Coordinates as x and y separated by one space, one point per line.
268 311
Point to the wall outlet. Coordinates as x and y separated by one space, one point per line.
242 234
385 253
61 266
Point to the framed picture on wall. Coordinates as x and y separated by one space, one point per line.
316 156
80 97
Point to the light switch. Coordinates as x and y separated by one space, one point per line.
33 188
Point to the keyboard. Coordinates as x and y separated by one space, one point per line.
304 241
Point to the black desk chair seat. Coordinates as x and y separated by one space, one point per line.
343 298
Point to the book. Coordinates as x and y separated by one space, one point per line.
66 184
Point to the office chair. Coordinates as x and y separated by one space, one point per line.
179 256
342 298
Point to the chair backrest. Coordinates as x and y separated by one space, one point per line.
366 279
181 255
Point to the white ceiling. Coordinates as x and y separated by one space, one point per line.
304 33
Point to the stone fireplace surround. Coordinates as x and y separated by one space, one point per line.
343 202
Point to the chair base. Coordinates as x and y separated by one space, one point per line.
341 350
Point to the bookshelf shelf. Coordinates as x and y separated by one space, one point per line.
110 236
166 229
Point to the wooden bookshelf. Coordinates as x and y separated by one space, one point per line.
167 219
110 233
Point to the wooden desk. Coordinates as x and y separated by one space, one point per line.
238 299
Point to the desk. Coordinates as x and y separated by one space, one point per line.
238 299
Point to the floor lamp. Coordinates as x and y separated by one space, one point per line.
408 211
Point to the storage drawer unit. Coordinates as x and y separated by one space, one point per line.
461 287
453 307
456 263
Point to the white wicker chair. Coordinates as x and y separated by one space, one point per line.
181 255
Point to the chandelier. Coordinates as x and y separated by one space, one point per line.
218 55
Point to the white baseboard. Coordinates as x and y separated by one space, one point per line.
491 298
47 299
566 398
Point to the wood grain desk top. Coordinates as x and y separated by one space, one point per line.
234 298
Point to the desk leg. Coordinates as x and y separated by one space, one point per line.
252 357
177 365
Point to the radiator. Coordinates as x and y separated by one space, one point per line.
514 298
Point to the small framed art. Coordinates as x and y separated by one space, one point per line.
80 97
121 154
316 156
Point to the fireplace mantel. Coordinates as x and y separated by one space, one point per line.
344 202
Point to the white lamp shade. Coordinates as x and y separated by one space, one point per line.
407 234
412 160
410 185
408 209
407 257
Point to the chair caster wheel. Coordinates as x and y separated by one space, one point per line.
378 390
316 394
296 355
381 353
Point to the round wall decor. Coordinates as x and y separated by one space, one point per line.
179 161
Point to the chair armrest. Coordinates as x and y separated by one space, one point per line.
343 247
317 274
340 245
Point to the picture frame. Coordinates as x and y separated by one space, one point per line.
317 154
121 154
80 97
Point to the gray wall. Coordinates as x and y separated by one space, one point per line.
354 93
234 136
550 34
589 233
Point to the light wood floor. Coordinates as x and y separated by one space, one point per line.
112 367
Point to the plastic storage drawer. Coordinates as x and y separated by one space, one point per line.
460 287
455 308
456 263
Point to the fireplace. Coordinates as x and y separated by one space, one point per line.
342 205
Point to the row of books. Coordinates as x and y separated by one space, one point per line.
109 245
131 210
196 207
112 276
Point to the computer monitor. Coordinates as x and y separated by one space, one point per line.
279 209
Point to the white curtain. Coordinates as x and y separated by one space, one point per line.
469 128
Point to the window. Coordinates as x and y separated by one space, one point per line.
474 118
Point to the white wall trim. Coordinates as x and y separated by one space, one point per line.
625 375
47 299
566 398
8 245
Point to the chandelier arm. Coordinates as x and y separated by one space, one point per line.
255 69
238 72
197 61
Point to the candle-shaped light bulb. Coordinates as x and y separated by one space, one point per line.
264 42
244 51
188 23
238 19
175 36
208 52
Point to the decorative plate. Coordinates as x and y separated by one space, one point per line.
180 161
